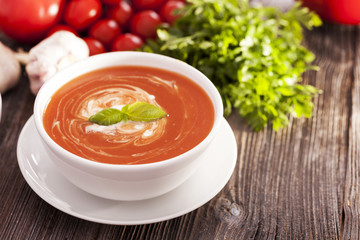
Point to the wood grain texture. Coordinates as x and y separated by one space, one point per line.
301 182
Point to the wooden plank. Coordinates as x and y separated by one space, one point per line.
351 206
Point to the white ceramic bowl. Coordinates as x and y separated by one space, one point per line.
125 182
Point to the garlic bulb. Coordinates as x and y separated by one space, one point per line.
52 54
10 69
0 106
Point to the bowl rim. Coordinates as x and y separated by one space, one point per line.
210 89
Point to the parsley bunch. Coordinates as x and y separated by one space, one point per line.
253 55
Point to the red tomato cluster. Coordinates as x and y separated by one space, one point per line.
105 25
118 25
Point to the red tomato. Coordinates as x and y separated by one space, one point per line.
127 42
95 46
340 11
61 28
121 13
80 14
28 20
144 23
147 4
167 10
105 30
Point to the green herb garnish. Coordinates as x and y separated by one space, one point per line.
138 111
253 55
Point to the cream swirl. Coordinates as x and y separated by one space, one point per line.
139 133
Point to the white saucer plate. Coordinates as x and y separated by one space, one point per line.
41 175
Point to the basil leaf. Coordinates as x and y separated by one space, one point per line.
141 111
107 116
138 111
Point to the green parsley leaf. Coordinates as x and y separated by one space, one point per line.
138 111
253 55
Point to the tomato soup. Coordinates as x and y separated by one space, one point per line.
190 115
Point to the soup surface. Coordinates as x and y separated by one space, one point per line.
189 120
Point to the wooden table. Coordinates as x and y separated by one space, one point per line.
302 182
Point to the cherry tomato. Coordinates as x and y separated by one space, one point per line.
80 14
28 21
94 45
344 11
167 11
111 2
147 4
144 23
121 13
105 30
61 28
127 42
